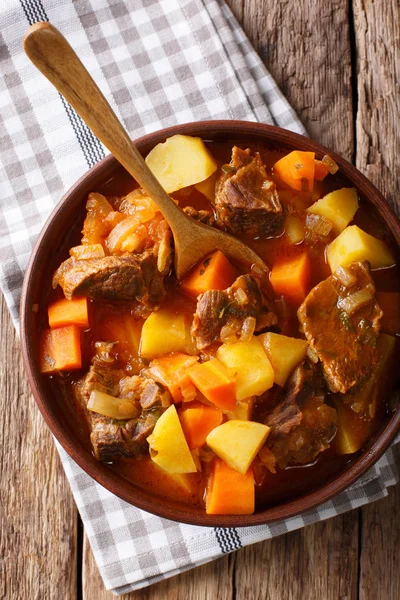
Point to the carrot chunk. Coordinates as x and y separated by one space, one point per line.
68 312
321 170
291 278
214 272
197 421
297 170
171 371
60 349
229 492
215 382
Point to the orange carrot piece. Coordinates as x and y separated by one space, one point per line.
214 272
171 371
297 170
197 421
68 312
230 492
60 349
390 304
321 170
291 278
215 383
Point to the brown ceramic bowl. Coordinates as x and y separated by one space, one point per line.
66 221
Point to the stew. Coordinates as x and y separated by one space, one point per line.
235 388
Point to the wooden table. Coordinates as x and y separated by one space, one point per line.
338 63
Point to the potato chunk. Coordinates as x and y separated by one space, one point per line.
294 229
168 446
254 371
164 332
353 244
339 207
284 354
238 442
181 161
353 431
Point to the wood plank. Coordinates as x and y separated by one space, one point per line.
37 513
377 29
306 47
378 145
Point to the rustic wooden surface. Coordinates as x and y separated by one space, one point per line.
338 63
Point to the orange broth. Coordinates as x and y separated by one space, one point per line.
114 321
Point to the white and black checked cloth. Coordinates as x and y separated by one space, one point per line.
159 63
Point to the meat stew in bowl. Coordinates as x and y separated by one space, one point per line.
234 388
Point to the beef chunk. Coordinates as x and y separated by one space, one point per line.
134 277
302 425
246 199
110 437
229 308
341 323
203 216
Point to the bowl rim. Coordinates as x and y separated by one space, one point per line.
108 478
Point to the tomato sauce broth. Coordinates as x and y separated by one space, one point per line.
109 321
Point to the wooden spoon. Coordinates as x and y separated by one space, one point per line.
53 56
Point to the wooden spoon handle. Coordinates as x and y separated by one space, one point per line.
50 52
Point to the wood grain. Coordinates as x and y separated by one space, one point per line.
37 513
306 47
377 34
377 31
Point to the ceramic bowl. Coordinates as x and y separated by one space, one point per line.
64 225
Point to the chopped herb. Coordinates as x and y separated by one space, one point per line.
298 166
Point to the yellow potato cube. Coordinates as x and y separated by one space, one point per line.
284 354
339 207
353 431
181 161
164 332
207 187
168 446
254 371
354 244
237 443
294 229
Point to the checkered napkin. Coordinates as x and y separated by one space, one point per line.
159 63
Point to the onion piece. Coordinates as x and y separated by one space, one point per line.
240 296
345 277
355 301
268 459
86 251
228 335
126 228
248 328
330 163
188 390
164 251
312 355
109 406
318 225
